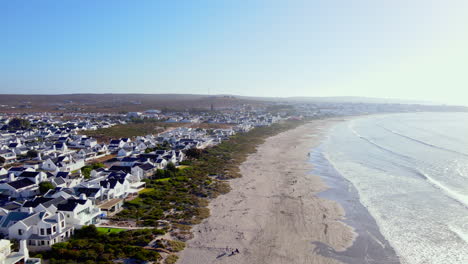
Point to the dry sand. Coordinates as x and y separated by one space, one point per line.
272 214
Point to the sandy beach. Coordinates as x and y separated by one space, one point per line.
272 214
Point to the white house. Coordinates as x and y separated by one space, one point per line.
19 189
22 256
79 212
49 165
143 171
35 176
18 170
123 152
116 144
115 188
8 155
41 230
63 163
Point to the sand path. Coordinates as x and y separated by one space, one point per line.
272 215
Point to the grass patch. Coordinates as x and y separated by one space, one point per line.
145 190
162 180
110 230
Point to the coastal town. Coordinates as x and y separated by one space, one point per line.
56 179
49 187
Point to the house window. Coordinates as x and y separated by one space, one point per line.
55 229
42 242
20 232
63 223
49 231
42 231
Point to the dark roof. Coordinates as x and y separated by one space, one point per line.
187 140
17 169
111 182
21 183
14 216
29 174
149 156
58 181
168 156
146 166
126 169
11 206
70 205
59 189
63 174
130 159
44 201
90 192
36 202
61 158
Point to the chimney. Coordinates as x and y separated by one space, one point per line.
83 196
23 249
30 210
11 177
102 193
59 222
39 156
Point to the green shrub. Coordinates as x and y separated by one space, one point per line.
171 259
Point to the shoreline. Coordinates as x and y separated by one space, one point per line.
274 212
370 244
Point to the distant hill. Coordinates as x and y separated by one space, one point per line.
140 102
117 102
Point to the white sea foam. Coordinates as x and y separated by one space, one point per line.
463 199
460 227
416 192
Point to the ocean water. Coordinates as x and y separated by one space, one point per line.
411 173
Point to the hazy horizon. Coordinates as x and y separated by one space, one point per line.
396 50
266 97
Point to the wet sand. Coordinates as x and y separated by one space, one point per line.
274 213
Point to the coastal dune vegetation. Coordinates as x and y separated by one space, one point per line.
180 196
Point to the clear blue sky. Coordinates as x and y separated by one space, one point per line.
378 48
